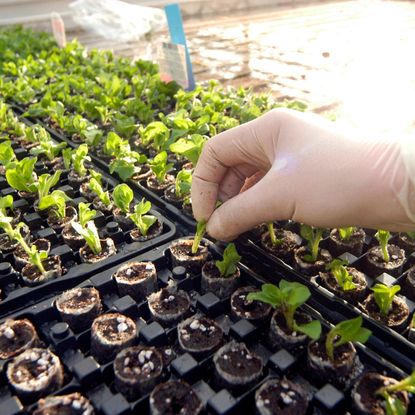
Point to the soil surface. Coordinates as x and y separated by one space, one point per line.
155 230
354 244
200 333
16 336
397 258
78 300
289 242
114 327
135 271
171 303
72 404
251 310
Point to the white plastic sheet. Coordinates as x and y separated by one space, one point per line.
114 19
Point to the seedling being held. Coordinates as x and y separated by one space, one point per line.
22 177
85 214
228 265
345 280
123 196
384 297
200 231
288 297
90 233
103 196
160 167
313 236
183 183
142 221
344 332
272 235
383 239
394 406
57 201
346 233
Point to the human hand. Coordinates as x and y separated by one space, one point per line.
299 166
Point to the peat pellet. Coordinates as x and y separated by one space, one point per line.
35 373
109 334
71 404
199 335
155 230
281 397
78 307
175 397
6 245
353 245
125 223
311 268
137 370
57 223
136 279
32 276
289 241
236 367
375 264
16 336
409 284
365 401
169 305
20 256
248 309
406 242
212 281
72 238
181 255
108 249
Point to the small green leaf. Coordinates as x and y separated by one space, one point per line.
228 265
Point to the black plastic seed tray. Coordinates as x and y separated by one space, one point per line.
395 345
96 381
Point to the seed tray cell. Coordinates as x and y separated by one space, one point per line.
96 381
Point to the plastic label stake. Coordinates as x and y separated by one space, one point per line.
58 28
172 64
178 37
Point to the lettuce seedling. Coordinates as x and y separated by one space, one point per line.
7 156
344 332
288 297
384 297
345 280
67 157
103 196
383 239
272 235
85 214
115 145
125 164
394 406
49 148
183 183
79 157
155 134
191 148
200 231
56 201
90 233
6 202
5 224
142 221
228 265
22 177
313 236
123 196
346 233
160 167
45 182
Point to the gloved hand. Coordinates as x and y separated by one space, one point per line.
302 167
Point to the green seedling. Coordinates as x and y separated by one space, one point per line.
344 332
123 196
183 183
103 196
6 202
79 157
345 280
411 235
85 214
55 201
22 177
229 263
160 167
272 235
384 297
7 156
191 148
90 233
394 406
48 147
383 239
46 182
200 231
313 236
346 233
142 221
288 297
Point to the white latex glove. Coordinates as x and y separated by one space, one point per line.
306 169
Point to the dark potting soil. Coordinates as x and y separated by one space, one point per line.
175 397
289 242
397 315
114 327
353 245
171 197
409 284
108 249
135 271
155 230
311 268
281 397
171 303
55 222
157 187
72 404
249 309
364 393
396 256
341 354
41 244
183 250
300 318
51 265
78 299
16 336
407 243
200 333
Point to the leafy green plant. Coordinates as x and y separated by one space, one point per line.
57 201
346 233
67 157
155 134
345 280
200 231
228 265
288 297
272 235
344 332
6 202
384 296
90 233
183 183
383 239
123 196
85 214
5 224
7 156
191 148
45 182
79 157
411 235
160 167
394 406
48 147
142 221
103 196
313 236
22 177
